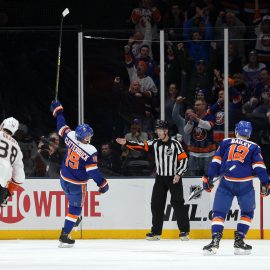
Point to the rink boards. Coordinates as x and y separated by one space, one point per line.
38 209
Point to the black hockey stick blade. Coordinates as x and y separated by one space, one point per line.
199 190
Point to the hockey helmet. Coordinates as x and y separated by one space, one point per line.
83 131
244 128
162 124
11 124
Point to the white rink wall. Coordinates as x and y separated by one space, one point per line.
38 208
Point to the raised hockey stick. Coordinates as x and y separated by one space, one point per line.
199 190
64 14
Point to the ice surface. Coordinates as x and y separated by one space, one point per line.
129 254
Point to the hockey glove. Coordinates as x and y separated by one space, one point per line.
265 189
207 183
103 187
4 196
56 107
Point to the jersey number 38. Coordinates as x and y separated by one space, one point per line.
6 149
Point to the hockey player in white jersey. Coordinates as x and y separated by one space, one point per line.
11 166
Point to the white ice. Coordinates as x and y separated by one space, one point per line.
129 255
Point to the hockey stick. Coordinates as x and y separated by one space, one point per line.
64 13
199 190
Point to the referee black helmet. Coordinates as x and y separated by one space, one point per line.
162 124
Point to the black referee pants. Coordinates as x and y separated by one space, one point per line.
158 201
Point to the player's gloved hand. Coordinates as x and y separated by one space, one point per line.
265 189
56 107
207 183
4 196
103 187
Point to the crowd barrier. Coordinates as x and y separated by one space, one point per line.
37 211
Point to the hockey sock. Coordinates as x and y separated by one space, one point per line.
244 223
71 218
218 222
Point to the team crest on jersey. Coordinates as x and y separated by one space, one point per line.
199 134
169 152
219 118
95 158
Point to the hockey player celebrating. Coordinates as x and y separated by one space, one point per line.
247 158
78 166
11 165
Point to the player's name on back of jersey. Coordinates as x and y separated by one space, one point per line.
76 149
238 141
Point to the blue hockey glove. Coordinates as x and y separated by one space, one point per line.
103 187
207 183
265 189
56 107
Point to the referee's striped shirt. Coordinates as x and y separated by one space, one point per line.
170 157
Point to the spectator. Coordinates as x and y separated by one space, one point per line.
257 111
108 162
200 94
235 62
262 32
201 79
180 121
137 41
217 111
202 147
146 12
135 162
198 29
211 10
264 84
174 20
131 104
252 70
240 86
28 147
173 65
49 157
236 28
147 85
169 103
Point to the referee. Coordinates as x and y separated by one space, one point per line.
171 163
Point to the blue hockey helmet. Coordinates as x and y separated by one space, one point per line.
244 128
83 132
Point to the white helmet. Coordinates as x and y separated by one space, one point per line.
11 124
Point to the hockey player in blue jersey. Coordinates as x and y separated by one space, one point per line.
247 158
78 166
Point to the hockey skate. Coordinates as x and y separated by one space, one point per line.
212 248
65 240
152 236
240 247
184 236
77 224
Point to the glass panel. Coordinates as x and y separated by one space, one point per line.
28 77
121 97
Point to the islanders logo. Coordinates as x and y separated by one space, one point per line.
199 134
219 118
